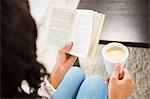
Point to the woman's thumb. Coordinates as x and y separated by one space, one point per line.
116 71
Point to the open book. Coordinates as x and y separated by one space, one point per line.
82 27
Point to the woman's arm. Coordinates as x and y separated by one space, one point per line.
63 64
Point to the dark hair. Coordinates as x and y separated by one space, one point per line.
18 54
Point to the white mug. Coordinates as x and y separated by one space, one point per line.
109 64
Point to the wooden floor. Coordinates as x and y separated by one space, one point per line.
126 20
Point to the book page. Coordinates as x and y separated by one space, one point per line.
96 21
97 28
82 33
60 27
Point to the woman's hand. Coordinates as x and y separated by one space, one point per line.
63 64
120 88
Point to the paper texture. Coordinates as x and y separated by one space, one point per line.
82 33
60 27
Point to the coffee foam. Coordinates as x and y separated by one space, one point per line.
115 54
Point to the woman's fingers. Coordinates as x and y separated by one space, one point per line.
127 75
68 64
70 61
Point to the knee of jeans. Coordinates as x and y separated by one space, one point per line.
93 87
95 82
76 72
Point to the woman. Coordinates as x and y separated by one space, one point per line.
18 59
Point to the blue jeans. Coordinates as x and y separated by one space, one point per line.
76 86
